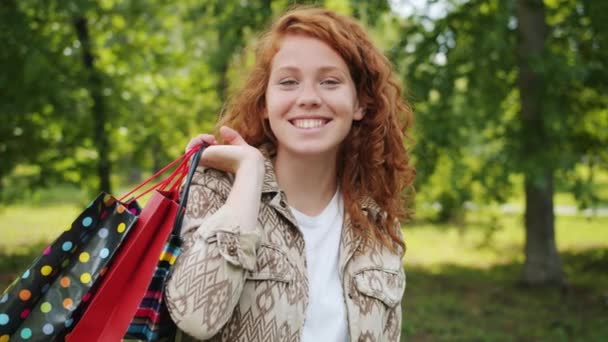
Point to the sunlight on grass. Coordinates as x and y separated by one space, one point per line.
487 245
462 282
22 226
476 244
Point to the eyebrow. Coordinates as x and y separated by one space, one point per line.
322 69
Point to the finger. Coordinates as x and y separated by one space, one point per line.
206 138
201 139
231 136
218 157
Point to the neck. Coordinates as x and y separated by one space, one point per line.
309 182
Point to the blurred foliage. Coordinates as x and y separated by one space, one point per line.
163 71
166 68
462 71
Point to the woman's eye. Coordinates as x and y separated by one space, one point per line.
288 82
330 81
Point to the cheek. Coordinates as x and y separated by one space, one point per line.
276 104
342 103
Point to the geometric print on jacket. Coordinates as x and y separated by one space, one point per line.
230 285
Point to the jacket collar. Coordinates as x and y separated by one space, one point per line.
270 179
350 240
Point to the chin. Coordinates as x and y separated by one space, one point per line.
310 150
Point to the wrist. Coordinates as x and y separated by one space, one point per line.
253 166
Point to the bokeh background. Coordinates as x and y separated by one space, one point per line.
510 237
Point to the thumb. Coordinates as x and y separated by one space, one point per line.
231 137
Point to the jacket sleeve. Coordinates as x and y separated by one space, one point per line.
209 275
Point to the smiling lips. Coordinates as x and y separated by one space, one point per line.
309 123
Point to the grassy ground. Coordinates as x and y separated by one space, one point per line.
458 303
463 283
462 280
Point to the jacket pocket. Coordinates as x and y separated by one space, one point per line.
383 284
271 264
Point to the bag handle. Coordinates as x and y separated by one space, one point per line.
179 172
179 218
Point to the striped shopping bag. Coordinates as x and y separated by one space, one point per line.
152 320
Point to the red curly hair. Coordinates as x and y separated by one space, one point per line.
373 160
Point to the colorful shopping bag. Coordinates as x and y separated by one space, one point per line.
50 297
152 320
116 302
119 289
40 303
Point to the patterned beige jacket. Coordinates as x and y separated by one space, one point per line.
229 285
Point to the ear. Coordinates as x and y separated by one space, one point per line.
358 114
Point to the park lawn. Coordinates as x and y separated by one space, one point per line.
463 284
22 226
462 279
459 303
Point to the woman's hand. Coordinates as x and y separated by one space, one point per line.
200 140
243 160
235 155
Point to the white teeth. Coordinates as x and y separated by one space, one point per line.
308 123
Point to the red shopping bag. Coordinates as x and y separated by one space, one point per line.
129 274
115 302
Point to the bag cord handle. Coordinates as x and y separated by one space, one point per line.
177 224
179 173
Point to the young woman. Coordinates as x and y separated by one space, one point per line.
291 231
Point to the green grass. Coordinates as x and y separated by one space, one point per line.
25 231
462 279
463 283
459 303
21 226
480 243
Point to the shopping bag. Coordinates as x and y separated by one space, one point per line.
152 320
116 302
40 304
49 298
135 261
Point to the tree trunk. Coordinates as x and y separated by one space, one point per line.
543 265
222 84
100 135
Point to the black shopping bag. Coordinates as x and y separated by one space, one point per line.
44 301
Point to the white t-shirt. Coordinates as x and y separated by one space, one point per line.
326 314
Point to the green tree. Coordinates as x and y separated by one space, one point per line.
542 260
502 88
94 88
39 87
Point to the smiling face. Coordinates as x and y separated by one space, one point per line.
311 99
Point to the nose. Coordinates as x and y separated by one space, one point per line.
308 97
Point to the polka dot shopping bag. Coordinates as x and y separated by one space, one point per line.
42 302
